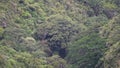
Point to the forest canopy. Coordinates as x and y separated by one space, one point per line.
59 34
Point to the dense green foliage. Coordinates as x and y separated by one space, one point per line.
59 34
87 50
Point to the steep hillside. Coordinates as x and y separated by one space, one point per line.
59 33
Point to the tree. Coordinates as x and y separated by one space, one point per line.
58 33
86 51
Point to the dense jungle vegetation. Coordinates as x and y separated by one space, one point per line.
59 33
